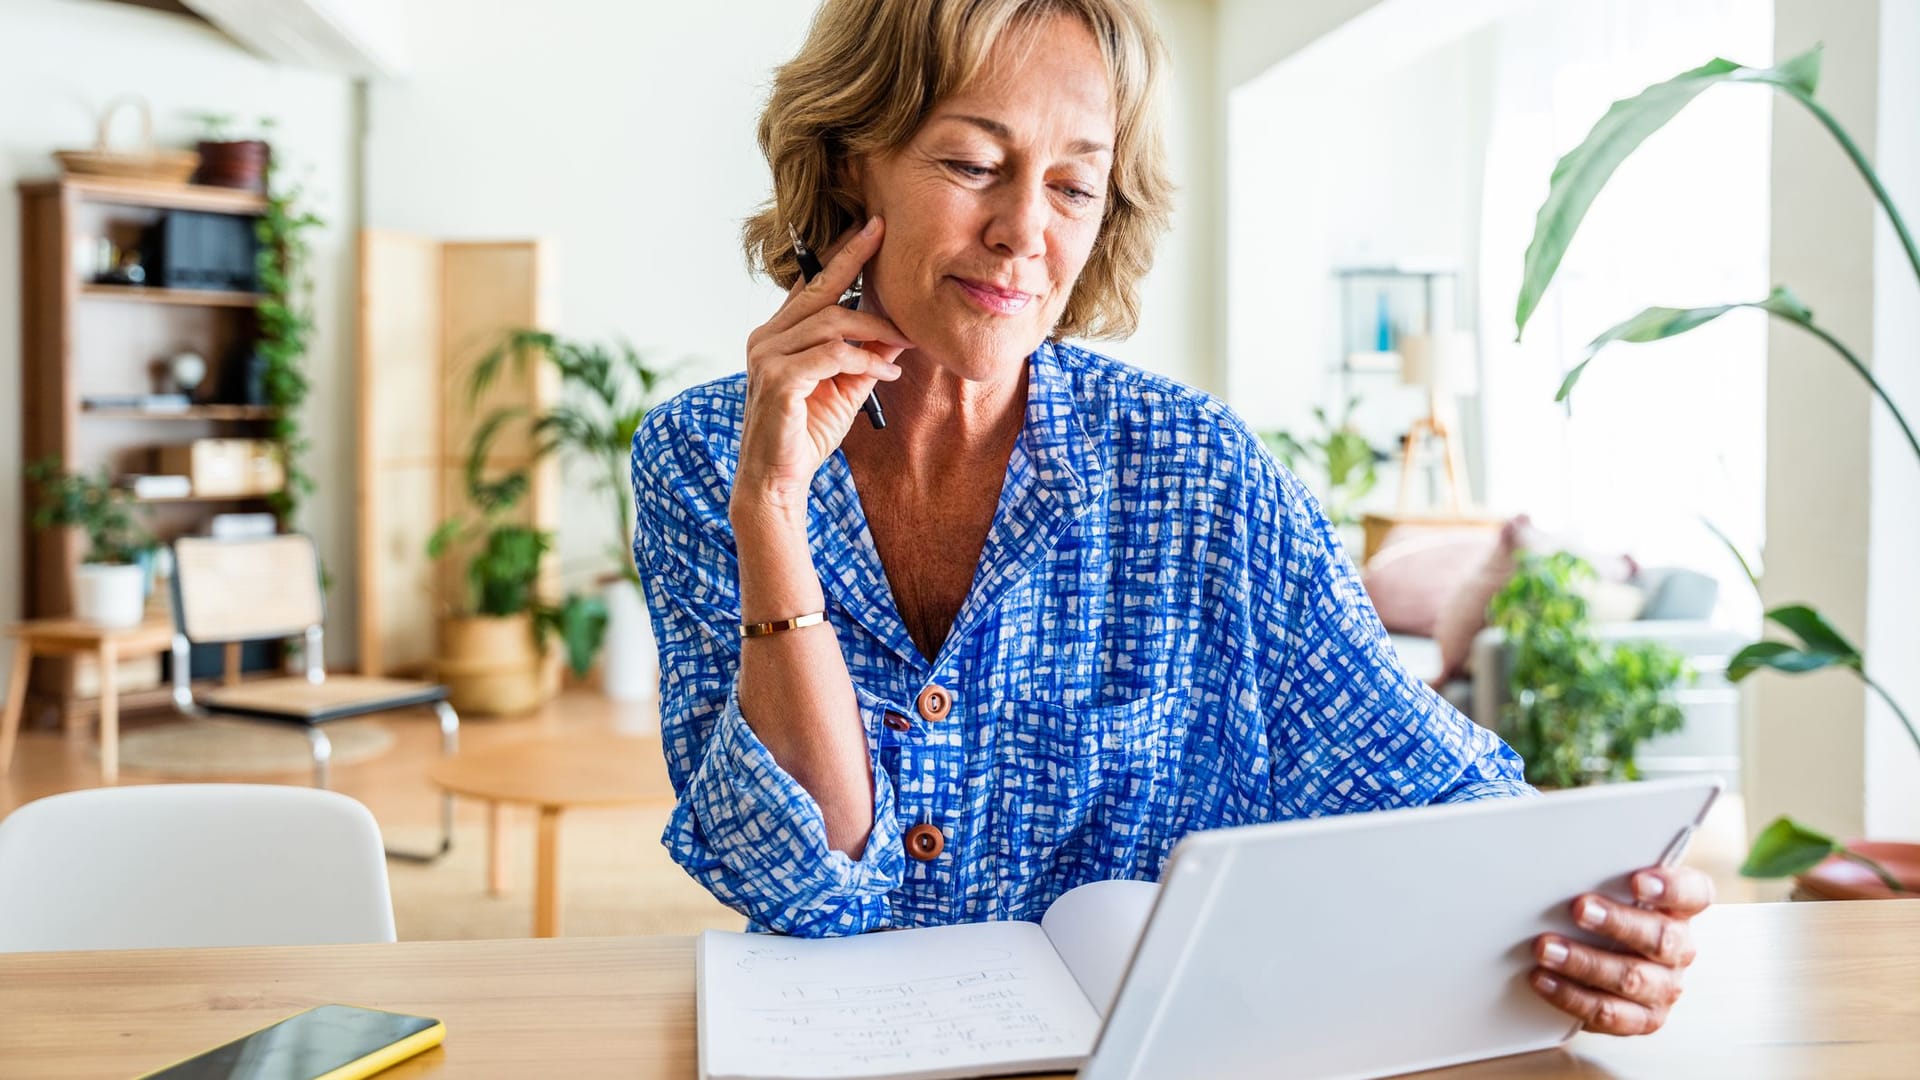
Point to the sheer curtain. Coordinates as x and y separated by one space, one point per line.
1657 436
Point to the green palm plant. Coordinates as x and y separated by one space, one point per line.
1785 847
605 395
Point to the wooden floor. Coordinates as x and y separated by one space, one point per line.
616 878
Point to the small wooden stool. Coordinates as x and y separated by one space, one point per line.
553 775
69 637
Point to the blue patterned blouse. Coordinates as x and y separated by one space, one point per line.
1163 635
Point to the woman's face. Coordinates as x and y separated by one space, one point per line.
993 206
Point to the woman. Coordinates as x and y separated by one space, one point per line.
1058 612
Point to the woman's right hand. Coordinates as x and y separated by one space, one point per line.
806 379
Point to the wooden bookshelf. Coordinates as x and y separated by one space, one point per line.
80 339
145 294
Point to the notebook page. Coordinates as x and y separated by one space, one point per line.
1094 928
929 1004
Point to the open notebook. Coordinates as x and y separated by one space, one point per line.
975 999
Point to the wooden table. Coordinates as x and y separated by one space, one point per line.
552 775
1781 990
67 637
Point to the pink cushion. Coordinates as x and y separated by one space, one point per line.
1464 614
1411 579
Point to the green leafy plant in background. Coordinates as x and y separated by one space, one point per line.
605 393
90 503
285 316
226 127
1785 847
1580 707
1337 452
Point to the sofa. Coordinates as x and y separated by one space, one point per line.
1673 606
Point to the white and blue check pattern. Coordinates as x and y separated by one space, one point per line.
1163 635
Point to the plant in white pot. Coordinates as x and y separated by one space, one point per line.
605 393
110 587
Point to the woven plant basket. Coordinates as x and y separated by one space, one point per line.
148 163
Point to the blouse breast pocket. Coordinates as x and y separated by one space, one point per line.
1081 785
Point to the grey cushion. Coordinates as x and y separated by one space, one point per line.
1677 593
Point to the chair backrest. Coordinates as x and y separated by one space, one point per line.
191 865
243 590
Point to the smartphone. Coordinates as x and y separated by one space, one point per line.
331 1042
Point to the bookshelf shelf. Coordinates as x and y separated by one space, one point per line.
144 294
194 412
200 498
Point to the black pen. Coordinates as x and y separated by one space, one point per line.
810 269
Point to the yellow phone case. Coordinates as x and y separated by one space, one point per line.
384 1058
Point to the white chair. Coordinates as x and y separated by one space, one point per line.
191 865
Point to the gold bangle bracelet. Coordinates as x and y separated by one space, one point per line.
762 629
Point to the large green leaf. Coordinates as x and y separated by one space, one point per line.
1778 656
1657 323
1786 848
1585 170
1816 633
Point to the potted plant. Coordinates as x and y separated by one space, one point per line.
493 648
1785 847
110 587
1580 707
1343 456
605 392
230 158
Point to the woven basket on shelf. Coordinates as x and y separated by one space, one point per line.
149 163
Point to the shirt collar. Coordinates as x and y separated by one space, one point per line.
1055 474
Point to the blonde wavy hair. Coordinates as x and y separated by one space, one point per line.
872 70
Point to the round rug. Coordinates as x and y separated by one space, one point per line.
222 747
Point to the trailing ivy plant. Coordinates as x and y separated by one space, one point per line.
1785 847
285 317
1579 706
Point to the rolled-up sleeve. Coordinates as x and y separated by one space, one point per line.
741 826
1352 729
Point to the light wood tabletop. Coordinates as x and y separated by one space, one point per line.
1781 990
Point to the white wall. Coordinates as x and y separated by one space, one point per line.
1371 165
61 62
624 134
1893 606
1806 741
1180 333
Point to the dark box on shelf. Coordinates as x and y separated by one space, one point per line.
188 250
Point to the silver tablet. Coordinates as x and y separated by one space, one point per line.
1372 944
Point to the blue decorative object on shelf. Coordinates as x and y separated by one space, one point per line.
1383 326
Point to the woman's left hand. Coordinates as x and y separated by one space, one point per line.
1626 991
